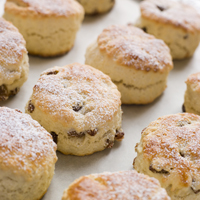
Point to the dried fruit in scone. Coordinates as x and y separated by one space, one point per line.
169 150
174 22
137 62
27 157
79 106
126 185
14 65
49 27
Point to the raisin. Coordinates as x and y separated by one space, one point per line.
160 172
54 136
77 107
52 72
31 107
92 132
75 134
119 135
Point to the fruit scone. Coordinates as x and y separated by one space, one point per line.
14 66
27 157
48 26
174 22
169 150
137 62
123 185
79 106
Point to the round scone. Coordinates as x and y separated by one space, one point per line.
192 94
27 157
124 185
169 150
49 27
137 62
96 6
174 22
14 65
79 106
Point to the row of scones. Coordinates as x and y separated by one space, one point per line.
80 107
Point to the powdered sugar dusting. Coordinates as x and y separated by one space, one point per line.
25 145
12 48
127 185
130 46
174 13
172 143
51 7
74 85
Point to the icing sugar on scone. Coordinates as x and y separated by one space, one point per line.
169 150
126 185
82 105
176 23
132 47
137 62
27 156
44 7
14 65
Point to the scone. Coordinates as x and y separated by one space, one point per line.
137 62
49 27
14 65
124 185
96 6
174 22
169 150
79 106
192 94
27 157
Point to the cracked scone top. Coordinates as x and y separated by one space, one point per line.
169 150
27 156
79 106
48 26
192 94
174 22
14 65
137 62
126 185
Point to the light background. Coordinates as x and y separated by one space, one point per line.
135 118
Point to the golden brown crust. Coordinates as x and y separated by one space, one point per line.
43 8
129 46
25 146
127 185
172 13
12 50
171 145
194 81
60 89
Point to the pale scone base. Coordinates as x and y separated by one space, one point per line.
79 146
25 186
136 86
47 37
141 165
182 44
96 6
